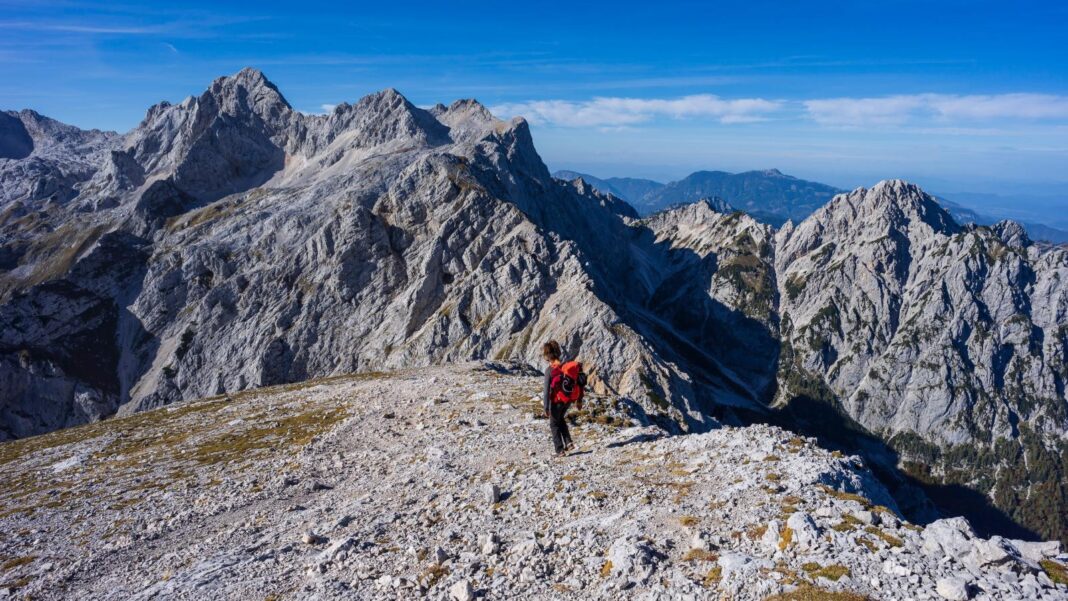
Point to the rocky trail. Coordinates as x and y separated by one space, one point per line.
440 483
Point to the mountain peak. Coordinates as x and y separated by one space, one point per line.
248 83
716 204
252 75
912 201
386 101
472 108
1012 233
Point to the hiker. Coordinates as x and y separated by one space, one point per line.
564 384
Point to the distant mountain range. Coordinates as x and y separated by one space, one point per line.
770 196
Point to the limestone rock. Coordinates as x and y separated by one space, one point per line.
461 591
954 589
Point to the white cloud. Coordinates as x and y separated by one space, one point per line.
327 108
903 109
77 28
617 112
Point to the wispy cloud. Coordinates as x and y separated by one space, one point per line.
905 109
616 112
77 28
975 114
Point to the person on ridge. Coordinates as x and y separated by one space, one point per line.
564 384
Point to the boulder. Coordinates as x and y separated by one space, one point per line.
954 589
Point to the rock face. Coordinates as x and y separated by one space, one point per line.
261 246
372 486
229 242
948 342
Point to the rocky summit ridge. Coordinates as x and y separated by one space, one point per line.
438 483
230 242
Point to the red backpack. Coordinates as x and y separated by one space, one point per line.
568 382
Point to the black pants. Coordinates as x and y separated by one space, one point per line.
558 425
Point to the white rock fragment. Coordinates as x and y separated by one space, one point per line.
491 493
954 589
805 532
311 538
461 591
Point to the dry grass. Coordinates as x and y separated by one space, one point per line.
756 531
433 574
13 563
688 520
813 593
1057 572
846 496
848 524
606 569
700 555
713 577
832 572
291 431
786 538
55 253
886 537
682 489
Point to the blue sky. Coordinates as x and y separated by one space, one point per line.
959 96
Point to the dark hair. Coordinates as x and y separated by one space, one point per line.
551 350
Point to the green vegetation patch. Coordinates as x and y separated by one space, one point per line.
794 286
1056 572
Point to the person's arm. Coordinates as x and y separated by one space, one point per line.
548 384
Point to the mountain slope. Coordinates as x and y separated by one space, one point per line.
630 189
230 242
381 235
439 482
948 342
767 195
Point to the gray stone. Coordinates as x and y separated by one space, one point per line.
805 531
954 589
491 493
311 538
